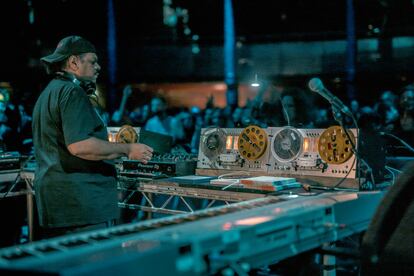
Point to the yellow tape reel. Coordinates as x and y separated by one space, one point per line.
334 146
126 135
252 143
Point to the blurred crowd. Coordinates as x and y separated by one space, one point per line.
391 113
15 124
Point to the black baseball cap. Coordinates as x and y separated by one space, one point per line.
68 46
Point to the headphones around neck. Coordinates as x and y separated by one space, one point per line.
88 86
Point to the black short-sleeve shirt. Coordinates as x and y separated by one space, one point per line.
69 190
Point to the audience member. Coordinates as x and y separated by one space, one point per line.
163 123
387 110
10 123
288 107
119 117
296 108
405 126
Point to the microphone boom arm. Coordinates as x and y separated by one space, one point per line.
336 103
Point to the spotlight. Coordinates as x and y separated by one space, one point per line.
255 83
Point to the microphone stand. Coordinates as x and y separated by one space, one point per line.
339 109
338 116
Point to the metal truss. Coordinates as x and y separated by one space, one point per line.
172 198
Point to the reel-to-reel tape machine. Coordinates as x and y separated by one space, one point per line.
286 151
234 149
313 152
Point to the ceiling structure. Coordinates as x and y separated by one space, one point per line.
31 28
254 20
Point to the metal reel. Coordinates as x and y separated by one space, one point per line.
252 143
334 146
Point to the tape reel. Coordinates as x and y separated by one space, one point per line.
334 146
213 142
126 135
252 143
287 144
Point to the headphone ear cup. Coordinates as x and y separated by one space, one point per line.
89 87
76 81
68 76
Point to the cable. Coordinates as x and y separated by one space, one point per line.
285 112
392 173
339 120
236 181
391 168
344 178
355 151
240 173
398 139
339 108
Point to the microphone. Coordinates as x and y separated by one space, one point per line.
317 86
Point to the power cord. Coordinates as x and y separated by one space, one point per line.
231 176
355 151
392 173
398 139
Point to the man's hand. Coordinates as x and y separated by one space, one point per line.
127 91
116 116
140 152
97 149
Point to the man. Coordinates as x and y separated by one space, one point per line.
74 183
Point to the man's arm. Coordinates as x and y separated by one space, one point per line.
96 149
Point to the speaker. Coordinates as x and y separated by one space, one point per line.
388 245
88 86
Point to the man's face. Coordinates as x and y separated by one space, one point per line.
407 100
387 98
88 67
354 106
157 105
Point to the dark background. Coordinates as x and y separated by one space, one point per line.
150 51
